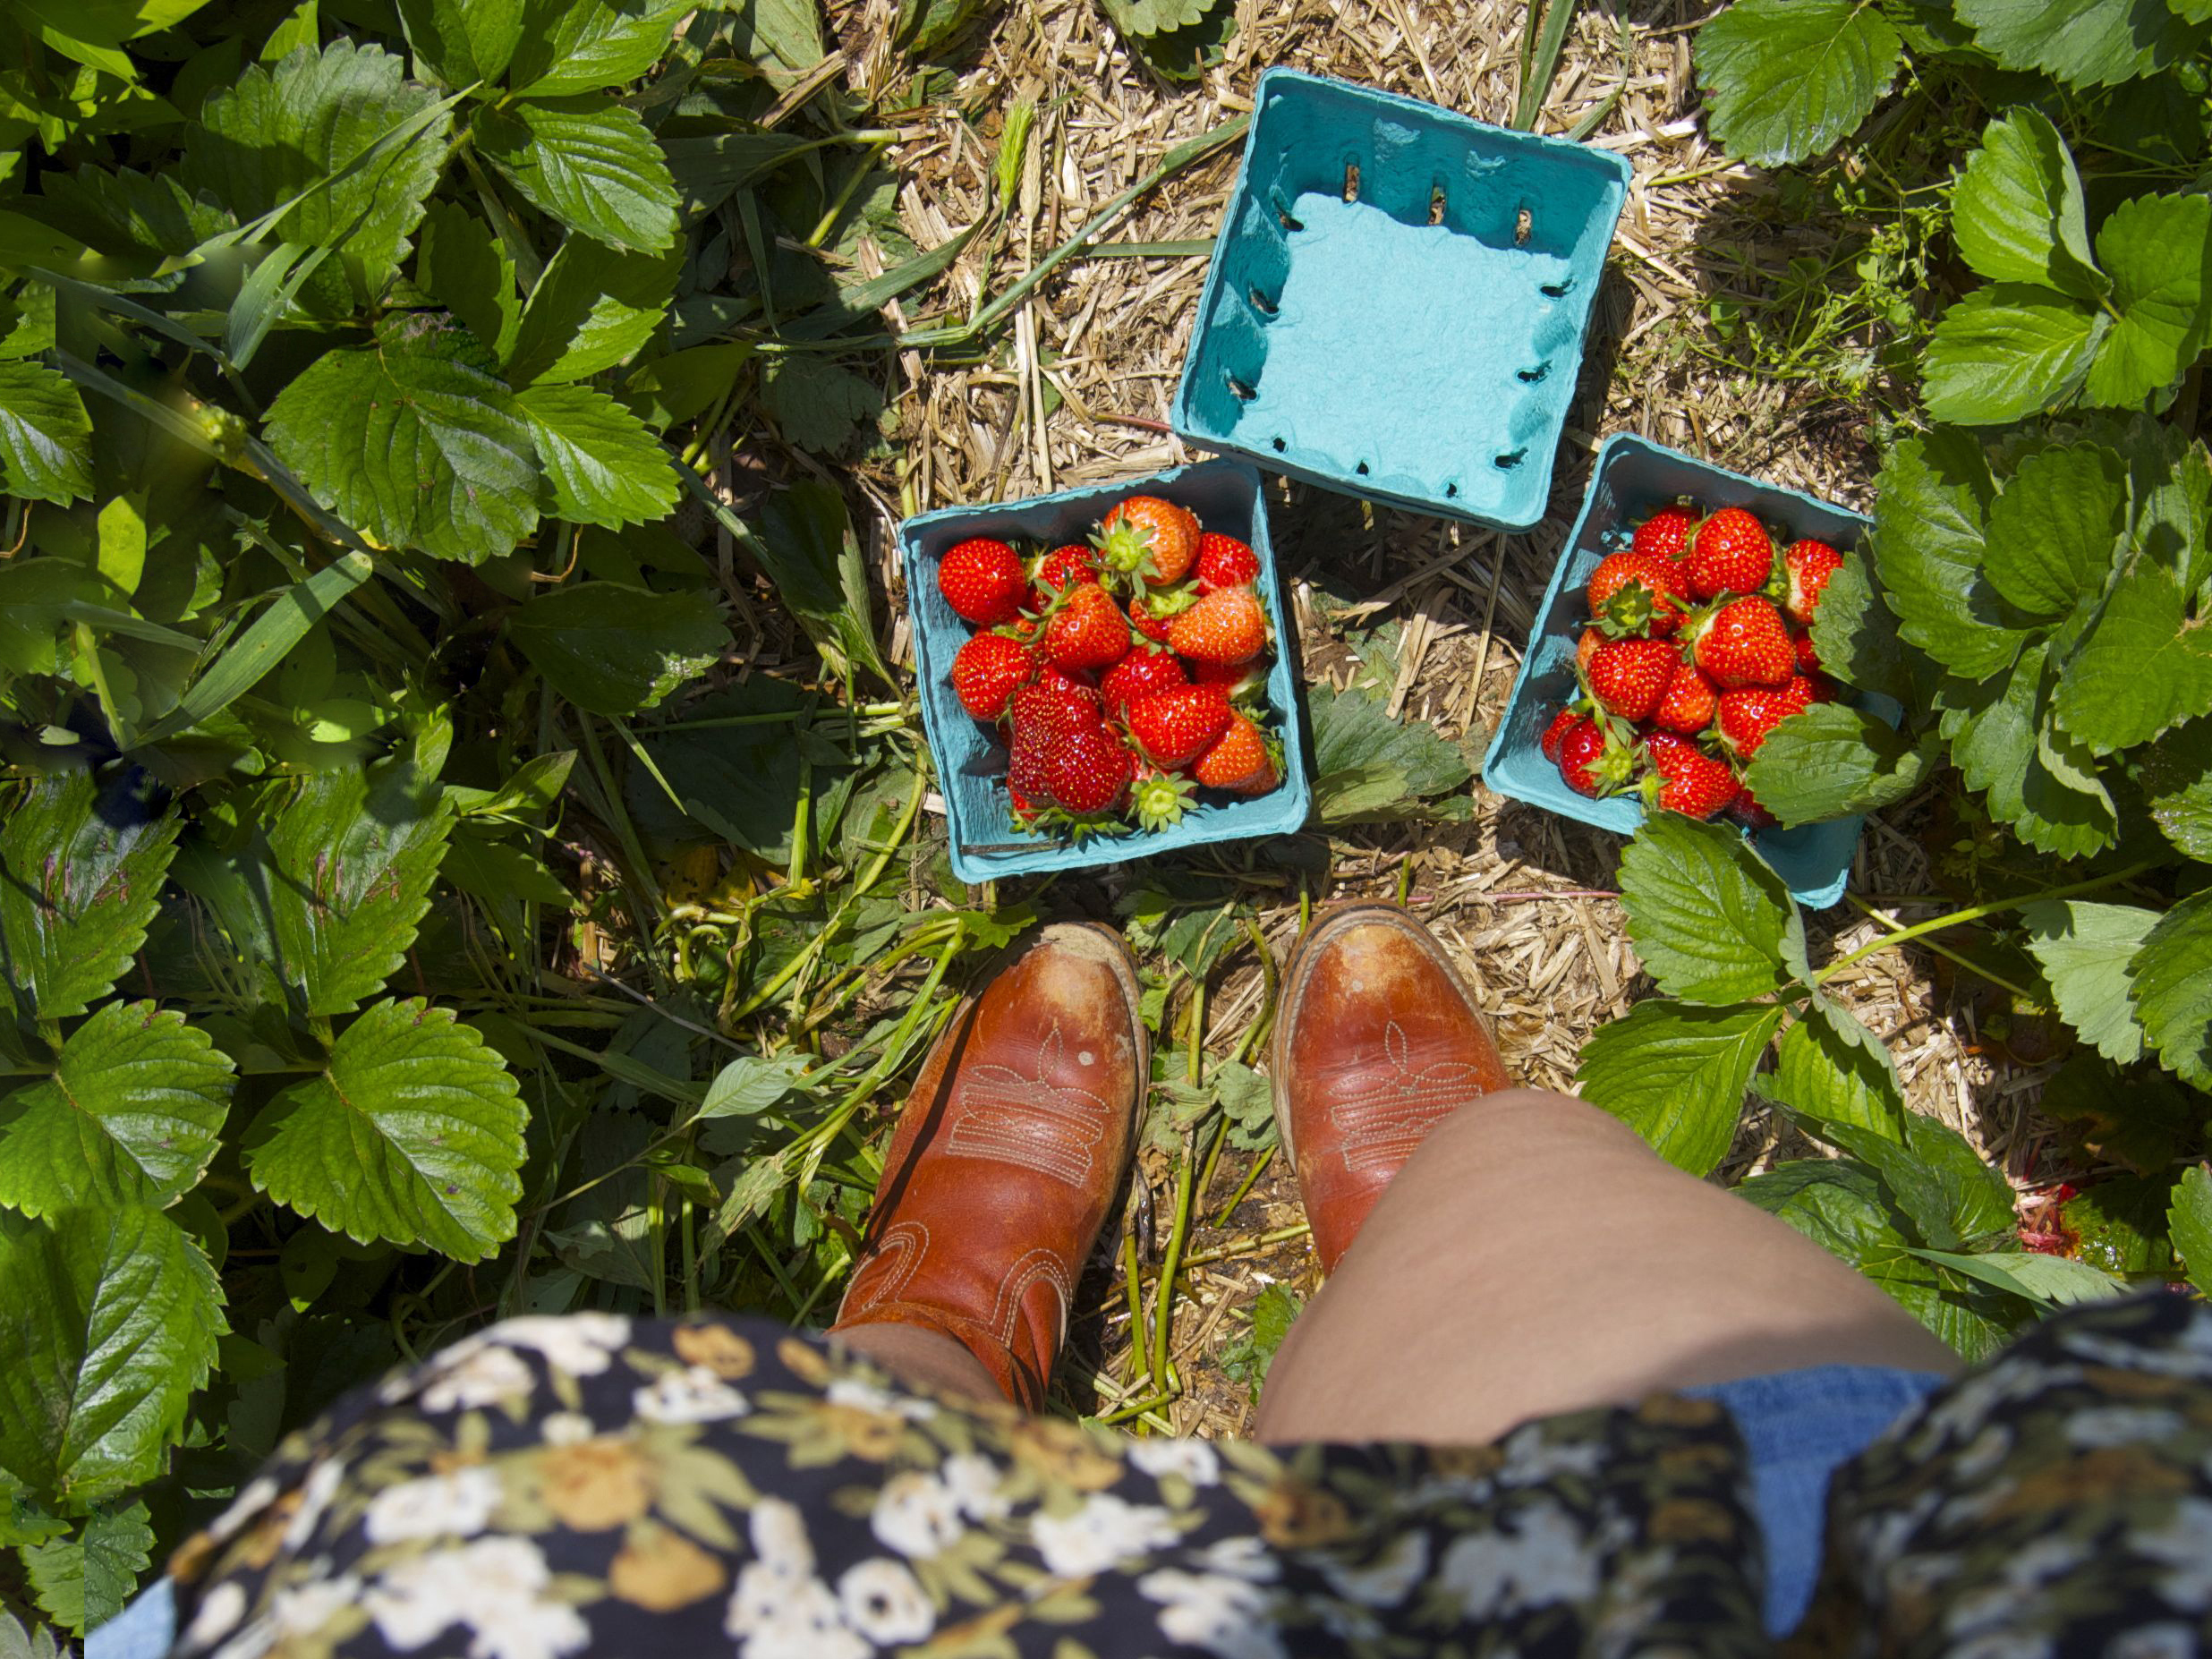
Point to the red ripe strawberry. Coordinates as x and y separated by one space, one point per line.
1227 626
1585 648
1225 562
1160 798
1808 658
1745 809
1139 674
1666 534
1743 643
1052 702
1145 536
1087 630
1808 565
1748 712
1688 781
1024 809
1689 702
987 669
1802 691
1592 760
1555 733
1175 728
1733 554
1088 771
1629 677
982 579
1242 680
1060 570
1152 610
1637 593
1238 761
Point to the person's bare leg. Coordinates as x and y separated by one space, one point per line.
1533 1256
921 1358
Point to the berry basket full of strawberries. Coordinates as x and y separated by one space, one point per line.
1675 637
1103 673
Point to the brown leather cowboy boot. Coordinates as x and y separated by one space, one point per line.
1377 1042
1007 1157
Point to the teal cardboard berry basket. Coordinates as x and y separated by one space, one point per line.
1633 477
1397 299
971 757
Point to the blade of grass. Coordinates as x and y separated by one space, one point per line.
1539 60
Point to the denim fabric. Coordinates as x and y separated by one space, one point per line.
1800 1427
142 1630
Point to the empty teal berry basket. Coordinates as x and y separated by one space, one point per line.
1635 476
971 758
1397 299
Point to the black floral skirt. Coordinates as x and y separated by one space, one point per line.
598 1484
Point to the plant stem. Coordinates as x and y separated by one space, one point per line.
1975 912
1132 1274
1944 951
1245 1186
1163 1303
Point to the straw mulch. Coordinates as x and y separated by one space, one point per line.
1079 389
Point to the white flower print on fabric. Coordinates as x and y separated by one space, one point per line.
581 1344
457 1505
1247 1557
2154 1641
974 1482
481 1377
2184 1546
885 1603
862 1395
1217 1614
779 1537
692 1395
219 1614
2099 1427
779 1618
251 1643
917 1515
1104 1533
531 1630
493 1587
1194 1460
1536 1558
257 1496
315 1493
1385 1581
306 1608
567 1428
1532 1459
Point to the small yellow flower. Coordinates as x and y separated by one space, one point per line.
804 1361
1691 1520
661 1570
870 1435
595 1483
717 1348
1294 1516
1062 1455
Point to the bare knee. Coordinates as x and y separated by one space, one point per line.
1530 1126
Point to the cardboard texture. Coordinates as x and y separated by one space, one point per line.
1397 299
971 758
1633 477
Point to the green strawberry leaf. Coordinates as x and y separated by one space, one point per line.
354 855
468 270
2052 1280
2084 950
415 441
1855 634
1156 17
581 46
1928 546
1831 761
2158 250
749 1085
109 1319
2018 211
2171 975
2007 351
2054 530
2084 43
1830 1067
412 1134
593 307
462 41
1995 730
1936 1177
130 1113
820 405
2189 1224
1370 769
601 466
46 438
1788 78
589 163
80 869
614 650
2175 774
1711 921
492 870
2145 666
1676 1073
780 34
268 139
85 1580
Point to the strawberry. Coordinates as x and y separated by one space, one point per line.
1087 630
1745 809
1585 648
1687 779
1742 644
1687 704
1175 728
1160 798
1060 570
1592 759
1238 761
982 579
1748 713
1138 675
1024 809
1225 562
1052 702
1731 554
1637 593
1227 626
1145 536
1240 680
987 670
1152 610
1555 733
1807 566
1629 677
1807 657
1666 534
1088 771
1802 691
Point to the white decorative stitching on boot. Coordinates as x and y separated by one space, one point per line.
1384 1119
1001 1116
